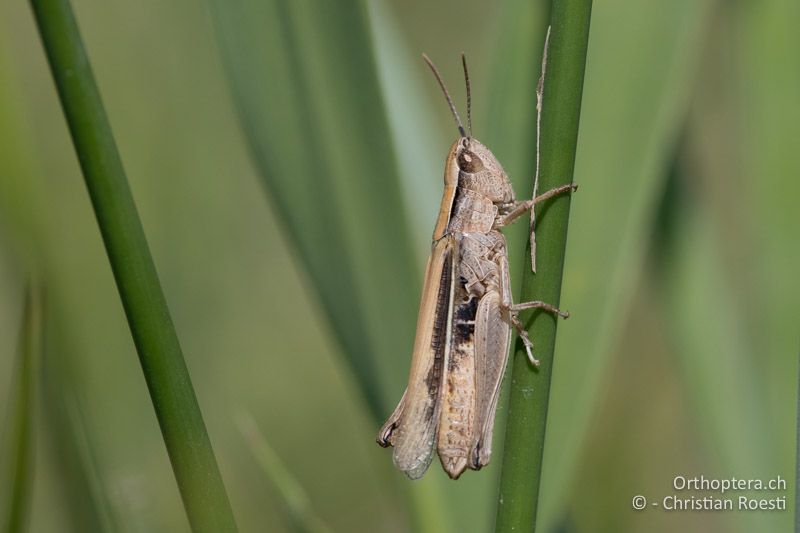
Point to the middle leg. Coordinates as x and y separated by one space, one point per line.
536 304
512 310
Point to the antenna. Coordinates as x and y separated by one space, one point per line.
469 93
446 94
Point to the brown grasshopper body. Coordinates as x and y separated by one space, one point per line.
465 319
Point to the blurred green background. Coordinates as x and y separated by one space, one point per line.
286 159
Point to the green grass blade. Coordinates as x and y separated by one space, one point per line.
739 366
530 391
86 491
62 434
306 108
302 516
720 374
638 83
412 118
165 371
95 503
769 122
20 428
314 118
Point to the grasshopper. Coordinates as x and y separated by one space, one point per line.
466 313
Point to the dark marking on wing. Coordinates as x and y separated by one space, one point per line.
467 307
464 315
463 332
439 335
475 463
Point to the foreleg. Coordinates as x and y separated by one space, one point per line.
520 208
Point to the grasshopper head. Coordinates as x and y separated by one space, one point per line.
470 165
480 171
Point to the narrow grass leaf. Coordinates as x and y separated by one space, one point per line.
83 484
768 256
314 117
415 132
299 509
739 366
20 428
22 206
164 368
720 373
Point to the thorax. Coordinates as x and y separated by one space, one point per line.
472 212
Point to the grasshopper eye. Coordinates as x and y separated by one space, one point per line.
469 162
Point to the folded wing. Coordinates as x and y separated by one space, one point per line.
412 427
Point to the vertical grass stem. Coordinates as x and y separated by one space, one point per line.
530 390
165 371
